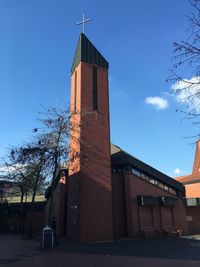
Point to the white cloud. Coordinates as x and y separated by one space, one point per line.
188 93
177 171
5 170
158 102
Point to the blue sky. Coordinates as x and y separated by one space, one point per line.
38 41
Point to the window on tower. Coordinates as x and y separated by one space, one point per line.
95 88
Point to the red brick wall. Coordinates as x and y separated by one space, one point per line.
139 219
192 190
95 219
59 207
193 214
164 217
119 206
37 222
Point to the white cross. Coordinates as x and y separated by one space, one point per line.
83 22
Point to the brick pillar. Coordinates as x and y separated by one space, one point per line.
90 211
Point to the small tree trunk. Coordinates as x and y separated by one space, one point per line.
31 215
32 205
24 215
52 191
21 212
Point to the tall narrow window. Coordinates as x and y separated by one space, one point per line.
95 89
75 89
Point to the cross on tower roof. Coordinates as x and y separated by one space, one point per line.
83 22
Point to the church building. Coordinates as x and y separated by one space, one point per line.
106 193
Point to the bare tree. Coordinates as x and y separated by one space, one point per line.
187 59
46 154
33 157
52 138
24 170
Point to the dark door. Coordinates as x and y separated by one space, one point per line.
119 206
73 208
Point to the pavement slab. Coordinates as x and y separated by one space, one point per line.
141 252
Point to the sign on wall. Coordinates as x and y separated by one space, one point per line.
189 218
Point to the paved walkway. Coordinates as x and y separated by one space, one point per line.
163 252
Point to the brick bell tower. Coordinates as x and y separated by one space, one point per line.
89 203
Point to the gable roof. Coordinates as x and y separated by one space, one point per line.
194 177
121 158
88 53
196 164
189 179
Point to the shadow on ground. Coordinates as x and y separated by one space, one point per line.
14 249
185 248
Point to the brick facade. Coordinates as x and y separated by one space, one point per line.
90 209
100 205
133 220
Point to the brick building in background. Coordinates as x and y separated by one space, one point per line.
192 181
192 187
106 193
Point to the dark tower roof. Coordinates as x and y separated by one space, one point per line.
88 53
